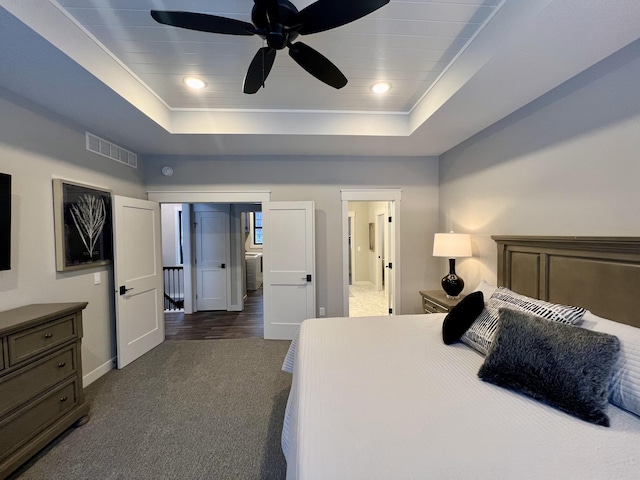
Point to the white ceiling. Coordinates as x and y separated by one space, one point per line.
406 43
456 67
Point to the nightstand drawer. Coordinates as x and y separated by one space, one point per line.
436 301
39 339
430 306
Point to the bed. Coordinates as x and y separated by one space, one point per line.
385 398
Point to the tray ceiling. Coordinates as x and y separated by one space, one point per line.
455 66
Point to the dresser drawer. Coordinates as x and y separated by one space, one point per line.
36 340
20 386
24 424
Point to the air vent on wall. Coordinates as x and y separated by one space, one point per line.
111 150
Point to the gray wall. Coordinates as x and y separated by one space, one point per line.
567 164
320 179
361 235
170 232
36 147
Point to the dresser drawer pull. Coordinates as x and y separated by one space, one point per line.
62 364
48 335
63 399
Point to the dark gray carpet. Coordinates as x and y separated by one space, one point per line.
209 409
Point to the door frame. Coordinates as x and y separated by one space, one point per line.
191 197
393 196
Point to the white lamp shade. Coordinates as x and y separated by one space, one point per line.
452 245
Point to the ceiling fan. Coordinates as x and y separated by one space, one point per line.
279 23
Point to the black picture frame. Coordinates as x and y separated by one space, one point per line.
83 226
5 221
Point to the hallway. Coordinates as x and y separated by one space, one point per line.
366 301
218 324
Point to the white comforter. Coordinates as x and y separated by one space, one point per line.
384 398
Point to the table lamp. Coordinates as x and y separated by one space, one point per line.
452 246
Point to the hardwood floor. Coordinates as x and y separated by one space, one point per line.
219 324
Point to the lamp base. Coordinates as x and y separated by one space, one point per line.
452 284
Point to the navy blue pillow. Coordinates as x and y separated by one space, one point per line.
461 317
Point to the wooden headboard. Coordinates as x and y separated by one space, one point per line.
601 274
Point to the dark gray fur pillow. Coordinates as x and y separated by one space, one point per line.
564 366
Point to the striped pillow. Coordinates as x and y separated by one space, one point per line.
481 333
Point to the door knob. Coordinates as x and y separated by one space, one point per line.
124 289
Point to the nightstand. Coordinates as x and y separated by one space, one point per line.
436 301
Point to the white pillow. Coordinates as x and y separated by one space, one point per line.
486 288
625 383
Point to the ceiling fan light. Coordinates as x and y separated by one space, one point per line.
195 83
381 87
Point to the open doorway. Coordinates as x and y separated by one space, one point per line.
212 264
371 251
288 225
367 291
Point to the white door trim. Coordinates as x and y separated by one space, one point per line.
187 255
209 196
391 195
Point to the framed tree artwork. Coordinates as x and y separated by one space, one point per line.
83 226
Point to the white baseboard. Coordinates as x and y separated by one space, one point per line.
91 377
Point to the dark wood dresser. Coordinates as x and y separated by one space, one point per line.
41 391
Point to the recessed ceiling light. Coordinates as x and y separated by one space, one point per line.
195 83
381 87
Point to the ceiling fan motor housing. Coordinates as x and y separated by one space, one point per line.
280 34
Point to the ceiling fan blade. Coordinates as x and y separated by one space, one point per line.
203 22
327 14
259 70
317 65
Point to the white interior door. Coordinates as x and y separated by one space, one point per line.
389 259
381 252
352 250
289 267
212 234
138 277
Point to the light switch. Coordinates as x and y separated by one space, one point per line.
96 278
